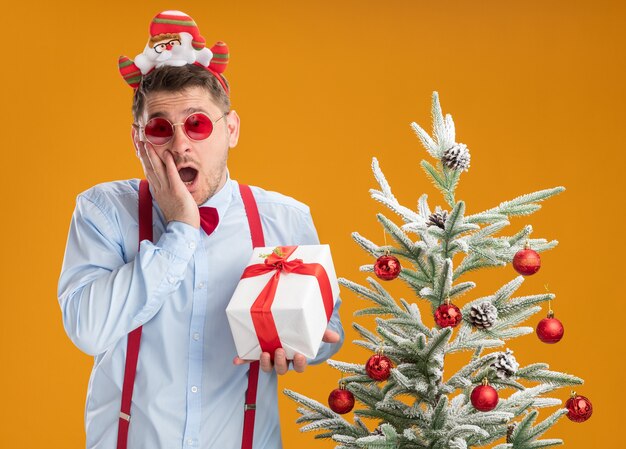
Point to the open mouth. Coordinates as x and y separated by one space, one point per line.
188 175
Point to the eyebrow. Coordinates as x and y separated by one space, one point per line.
187 111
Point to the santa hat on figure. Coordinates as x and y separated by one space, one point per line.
174 40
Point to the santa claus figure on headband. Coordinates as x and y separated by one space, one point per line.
174 40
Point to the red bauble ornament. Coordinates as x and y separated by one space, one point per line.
579 407
341 400
526 261
387 267
378 367
448 315
484 398
550 330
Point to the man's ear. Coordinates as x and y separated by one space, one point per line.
233 123
134 135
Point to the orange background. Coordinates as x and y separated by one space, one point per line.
537 93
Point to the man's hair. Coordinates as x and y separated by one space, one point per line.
176 79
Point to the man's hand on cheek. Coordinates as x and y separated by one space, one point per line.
170 191
281 364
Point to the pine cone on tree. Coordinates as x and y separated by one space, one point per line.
457 157
483 315
438 218
509 431
505 365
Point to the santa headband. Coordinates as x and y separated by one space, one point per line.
174 40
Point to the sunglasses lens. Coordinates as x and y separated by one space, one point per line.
158 131
198 126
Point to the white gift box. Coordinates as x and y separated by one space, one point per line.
298 310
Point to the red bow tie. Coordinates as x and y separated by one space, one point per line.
209 219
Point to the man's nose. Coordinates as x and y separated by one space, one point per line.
168 46
180 143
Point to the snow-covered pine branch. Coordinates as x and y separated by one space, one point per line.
408 315
525 435
443 131
550 377
376 250
321 417
522 205
399 236
387 198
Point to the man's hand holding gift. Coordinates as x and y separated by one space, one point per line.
281 364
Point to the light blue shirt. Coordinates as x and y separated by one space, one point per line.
188 393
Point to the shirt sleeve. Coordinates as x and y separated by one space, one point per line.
308 236
102 297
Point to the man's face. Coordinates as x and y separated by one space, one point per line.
201 164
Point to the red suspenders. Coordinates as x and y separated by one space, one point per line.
256 230
134 338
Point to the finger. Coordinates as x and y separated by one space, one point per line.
266 363
157 165
240 361
170 171
147 167
299 363
331 336
280 361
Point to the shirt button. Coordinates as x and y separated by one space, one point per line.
192 245
190 442
194 389
171 280
201 285
196 336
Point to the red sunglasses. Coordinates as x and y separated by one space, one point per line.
197 126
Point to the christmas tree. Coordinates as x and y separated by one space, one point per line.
401 388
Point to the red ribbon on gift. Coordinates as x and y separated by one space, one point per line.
261 308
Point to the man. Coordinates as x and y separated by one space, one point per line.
189 386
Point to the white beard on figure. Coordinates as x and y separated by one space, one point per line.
178 56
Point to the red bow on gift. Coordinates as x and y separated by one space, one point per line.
261 308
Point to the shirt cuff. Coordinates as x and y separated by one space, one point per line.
180 241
